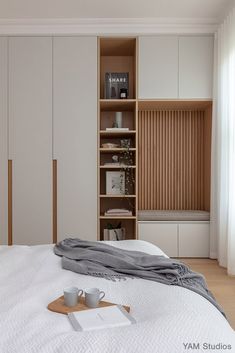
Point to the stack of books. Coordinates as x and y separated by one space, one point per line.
118 212
114 234
115 164
117 129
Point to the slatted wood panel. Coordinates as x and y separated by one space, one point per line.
171 160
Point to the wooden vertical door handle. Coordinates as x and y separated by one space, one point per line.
54 173
10 202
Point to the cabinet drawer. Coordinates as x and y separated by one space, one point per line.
162 235
194 240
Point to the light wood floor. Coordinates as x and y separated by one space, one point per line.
219 283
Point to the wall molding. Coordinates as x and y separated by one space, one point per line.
108 26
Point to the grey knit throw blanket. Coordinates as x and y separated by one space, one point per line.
106 261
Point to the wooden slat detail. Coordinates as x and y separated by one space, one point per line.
171 159
10 240
54 165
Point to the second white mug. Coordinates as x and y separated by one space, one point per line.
93 296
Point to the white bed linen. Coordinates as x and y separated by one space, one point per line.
167 316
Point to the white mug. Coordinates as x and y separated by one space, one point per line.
72 296
93 296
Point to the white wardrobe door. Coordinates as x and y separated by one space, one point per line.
3 142
158 67
30 119
195 66
75 135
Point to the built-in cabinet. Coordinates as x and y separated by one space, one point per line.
172 67
158 67
163 235
48 120
30 138
75 135
196 67
175 89
177 239
194 239
50 90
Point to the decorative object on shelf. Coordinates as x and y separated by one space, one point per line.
125 143
118 120
115 162
110 145
115 183
127 160
114 82
118 212
115 125
114 232
115 159
123 93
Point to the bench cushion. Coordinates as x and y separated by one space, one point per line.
173 215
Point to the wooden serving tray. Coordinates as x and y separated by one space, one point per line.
58 306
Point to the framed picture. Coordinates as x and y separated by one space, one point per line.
115 183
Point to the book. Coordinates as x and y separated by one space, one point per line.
118 212
100 318
114 234
114 82
116 164
112 164
117 129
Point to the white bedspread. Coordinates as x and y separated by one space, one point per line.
167 316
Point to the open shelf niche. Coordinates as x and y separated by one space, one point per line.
117 55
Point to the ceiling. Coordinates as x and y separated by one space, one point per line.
210 10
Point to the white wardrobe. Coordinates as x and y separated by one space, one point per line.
48 112
48 129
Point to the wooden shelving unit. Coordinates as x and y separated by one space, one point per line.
117 55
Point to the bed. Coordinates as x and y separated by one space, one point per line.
168 317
